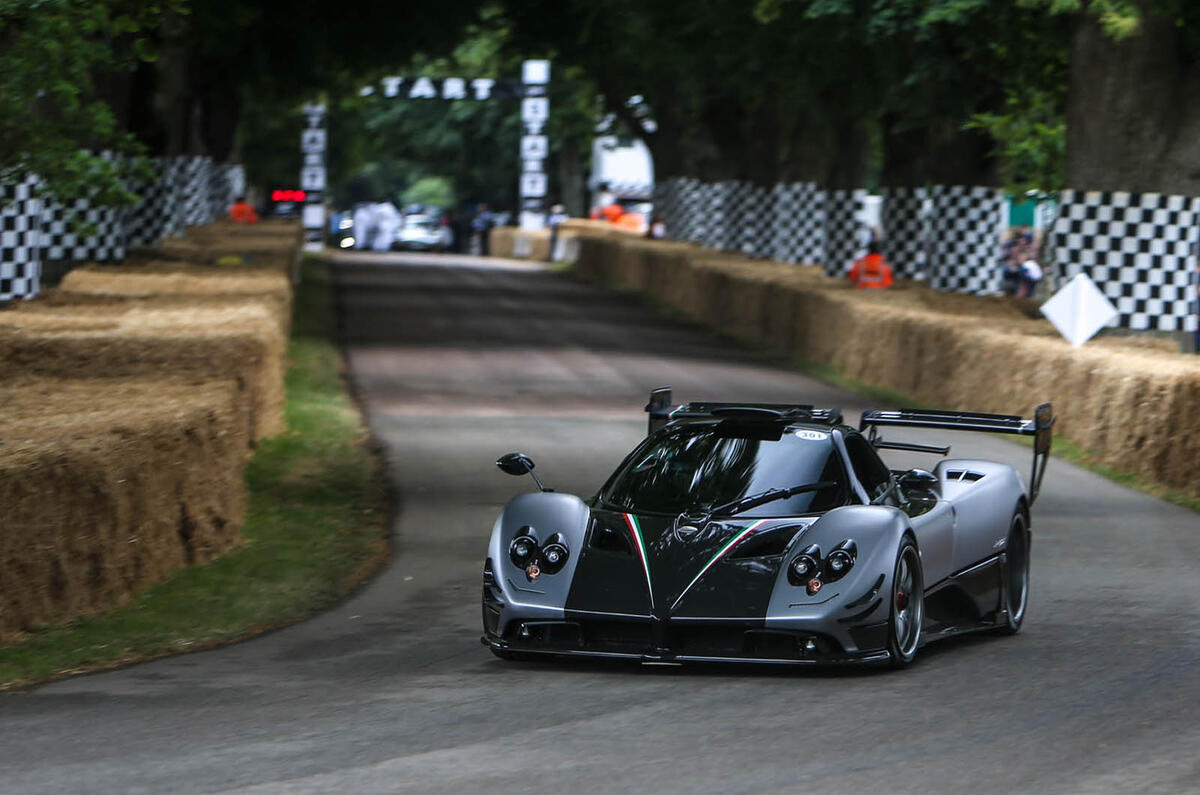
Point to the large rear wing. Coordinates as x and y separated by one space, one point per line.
1040 428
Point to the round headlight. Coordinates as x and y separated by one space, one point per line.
523 548
841 559
805 566
554 554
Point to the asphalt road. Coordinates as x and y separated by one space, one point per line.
461 360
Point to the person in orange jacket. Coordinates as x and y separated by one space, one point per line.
871 272
242 212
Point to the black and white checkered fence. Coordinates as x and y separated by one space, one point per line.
798 233
1139 249
669 199
20 240
720 229
965 228
220 191
845 236
195 184
905 222
156 214
755 219
80 232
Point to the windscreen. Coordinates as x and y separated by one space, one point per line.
700 466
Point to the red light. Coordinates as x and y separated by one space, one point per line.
278 195
300 195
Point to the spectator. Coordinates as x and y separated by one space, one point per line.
387 221
558 214
657 230
612 212
242 212
871 272
481 225
364 225
1031 275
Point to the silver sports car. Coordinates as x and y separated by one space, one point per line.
766 533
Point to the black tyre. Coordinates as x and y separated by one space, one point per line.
1015 585
908 605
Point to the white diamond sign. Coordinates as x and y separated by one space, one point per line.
1079 310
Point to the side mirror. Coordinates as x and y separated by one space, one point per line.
918 479
519 464
1043 419
515 464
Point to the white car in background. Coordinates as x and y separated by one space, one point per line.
423 233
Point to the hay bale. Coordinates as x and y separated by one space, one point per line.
279 252
168 285
501 240
243 343
108 485
268 227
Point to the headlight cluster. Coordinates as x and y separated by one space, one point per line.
809 570
536 560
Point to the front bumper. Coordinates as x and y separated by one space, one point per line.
645 639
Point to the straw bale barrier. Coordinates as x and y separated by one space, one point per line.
244 343
1133 405
108 485
271 246
172 284
514 243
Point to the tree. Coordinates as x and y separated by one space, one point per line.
53 122
1132 120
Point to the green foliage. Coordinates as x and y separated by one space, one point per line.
52 122
1030 138
433 191
381 147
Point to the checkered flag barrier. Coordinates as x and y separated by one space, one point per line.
965 229
798 233
156 214
905 220
754 220
81 232
220 191
845 235
195 184
1139 249
20 240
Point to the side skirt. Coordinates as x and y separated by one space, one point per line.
966 601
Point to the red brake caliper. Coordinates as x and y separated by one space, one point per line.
901 600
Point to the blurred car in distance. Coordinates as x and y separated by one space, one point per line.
424 233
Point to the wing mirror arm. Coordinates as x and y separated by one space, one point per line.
519 464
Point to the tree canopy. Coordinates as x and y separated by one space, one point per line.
1094 94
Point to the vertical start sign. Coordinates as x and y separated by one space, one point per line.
312 174
535 112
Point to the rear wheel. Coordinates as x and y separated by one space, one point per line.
1016 575
908 605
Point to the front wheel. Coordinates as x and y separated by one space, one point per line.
908 605
1016 575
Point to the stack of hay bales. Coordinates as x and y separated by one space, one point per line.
269 244
132 399
1132 407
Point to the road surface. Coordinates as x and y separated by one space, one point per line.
460 360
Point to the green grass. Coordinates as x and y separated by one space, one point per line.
314 530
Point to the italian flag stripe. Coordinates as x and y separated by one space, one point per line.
636 530
747 530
